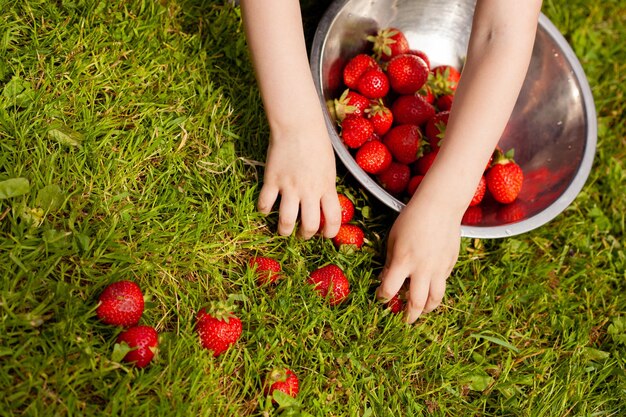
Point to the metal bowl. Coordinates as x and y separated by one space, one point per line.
553 127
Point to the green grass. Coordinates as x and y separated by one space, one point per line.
138 125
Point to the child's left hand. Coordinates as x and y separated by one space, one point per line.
423 245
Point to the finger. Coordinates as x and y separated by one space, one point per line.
392 277
435 295
267 198
332 214
417 296
287 215
309 218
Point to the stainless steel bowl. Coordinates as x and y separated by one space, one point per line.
553 127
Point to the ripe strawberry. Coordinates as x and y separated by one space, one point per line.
283 380
373 157
143 340
396 178
407 73
449 74
356 67
267 270
388 43
413 184
403 142
330 282
481 189
444 102
504 179
423 164
427 93
350 103
355 131
396 305
422 55
218 330
373 84
412 109
347 208
380 116
349 234
121 304
436 127
473 215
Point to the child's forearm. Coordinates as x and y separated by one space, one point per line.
499 52
276 39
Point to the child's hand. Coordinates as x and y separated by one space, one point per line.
300 167
423 245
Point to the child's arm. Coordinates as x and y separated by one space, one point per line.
300 163
424 241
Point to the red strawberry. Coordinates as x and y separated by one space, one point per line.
449 74
355 131
444 102
267 270
349 234
388 43
143 340
422 55
436 127
283 380
423 164
373 157
473 215
412 109
373 84
427 93
347 208
218 330
350 103
413 184
481 189
403 142
504 179
396 305
330 282
395 178
407 73
121 304
356 67
380 116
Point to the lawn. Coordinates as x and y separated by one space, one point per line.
131 136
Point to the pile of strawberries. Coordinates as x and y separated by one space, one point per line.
217 326
393 113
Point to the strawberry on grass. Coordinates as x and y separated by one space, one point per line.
349 234
121 304
267 270
283 380
143 342
218 328
331 283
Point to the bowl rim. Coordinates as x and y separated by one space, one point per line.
490 232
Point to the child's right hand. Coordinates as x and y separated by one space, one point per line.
300 166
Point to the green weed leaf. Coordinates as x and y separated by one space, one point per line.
478 382
617 330
50 198
18 92
13 187
64 135
119 351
